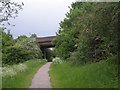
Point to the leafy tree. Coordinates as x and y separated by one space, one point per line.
33 36
89 32
9 9
21 38
29 44
7 39
23 48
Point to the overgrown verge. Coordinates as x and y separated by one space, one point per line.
20 75
88 38
95 75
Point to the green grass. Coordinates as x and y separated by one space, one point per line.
21 75
96 75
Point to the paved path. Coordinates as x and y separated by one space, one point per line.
41 78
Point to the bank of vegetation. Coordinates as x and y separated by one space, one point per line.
21 56
18 50
20 75
95 75
21 59
88 37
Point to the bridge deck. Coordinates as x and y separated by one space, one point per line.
45 41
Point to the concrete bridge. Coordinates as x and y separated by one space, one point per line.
45 42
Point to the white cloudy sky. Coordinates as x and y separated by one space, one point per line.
41 17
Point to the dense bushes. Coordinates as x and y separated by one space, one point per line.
7 39
89 33
15 54
18 50
29 44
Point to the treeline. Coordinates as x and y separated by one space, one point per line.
13 51
89 33
19 50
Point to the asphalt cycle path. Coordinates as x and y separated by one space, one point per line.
41 78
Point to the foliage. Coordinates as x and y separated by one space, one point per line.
29 44
78 56
15 50
33 36
9 9
89 33
20 75
15 54
21 37
113 59
18 50
7 39
0 47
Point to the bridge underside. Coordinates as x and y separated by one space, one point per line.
46 45
45 42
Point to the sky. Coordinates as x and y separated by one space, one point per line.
41 17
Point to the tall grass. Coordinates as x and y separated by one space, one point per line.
95 75
20 76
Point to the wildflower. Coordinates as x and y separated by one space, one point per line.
8 72
20 67
11 71
57 61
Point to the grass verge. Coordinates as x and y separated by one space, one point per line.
21 75
95 75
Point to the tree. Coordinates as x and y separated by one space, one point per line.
30 45
7 39
33 36
89 31
9 9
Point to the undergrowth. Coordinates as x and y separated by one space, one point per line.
95 75
20 75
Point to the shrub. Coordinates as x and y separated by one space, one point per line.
81 54
78 58
113 59
15 54
31 45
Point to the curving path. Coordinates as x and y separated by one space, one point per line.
41 78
